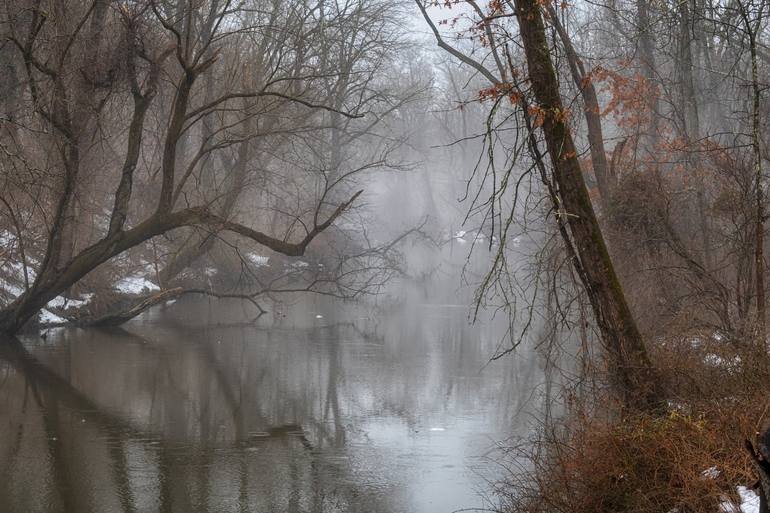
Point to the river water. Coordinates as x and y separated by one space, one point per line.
320 406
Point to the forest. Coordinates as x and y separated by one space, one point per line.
360 241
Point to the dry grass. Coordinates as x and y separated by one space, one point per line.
645 463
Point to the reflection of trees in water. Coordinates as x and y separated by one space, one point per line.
85 448
230 419
57 408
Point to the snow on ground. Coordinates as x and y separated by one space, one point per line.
18 271
135 285
718 361
459 236
14 271
62 302
47 317
710 473
10 289
749 502
7 238
258 260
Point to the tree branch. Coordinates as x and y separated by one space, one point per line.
456 53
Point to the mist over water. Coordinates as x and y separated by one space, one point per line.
387 405
352 168
397 256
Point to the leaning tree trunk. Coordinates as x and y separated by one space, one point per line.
591 110
630 368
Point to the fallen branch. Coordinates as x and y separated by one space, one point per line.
119 317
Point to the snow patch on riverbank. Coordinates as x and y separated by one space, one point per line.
258 260
749 502
135 285
63 302
47 317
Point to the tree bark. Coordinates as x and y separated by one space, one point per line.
647 56
47 287
630 369
761 466
759 243
590 109
759 224
691 122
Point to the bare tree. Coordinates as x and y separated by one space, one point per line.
631 370
172 53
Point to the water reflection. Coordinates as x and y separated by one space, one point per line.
318 409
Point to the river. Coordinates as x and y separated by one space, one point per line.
389 405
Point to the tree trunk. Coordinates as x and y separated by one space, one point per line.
47 287
590 110
759 248
630 369
647 56
197 244
759 224
691 122
759 461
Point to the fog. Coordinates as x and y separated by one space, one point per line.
347 255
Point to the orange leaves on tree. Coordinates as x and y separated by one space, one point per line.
496 7
673 145
562 115
586 80
719 154
629 95
500 90
488 93
537 114
515 97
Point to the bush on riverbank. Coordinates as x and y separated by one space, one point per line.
691 459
